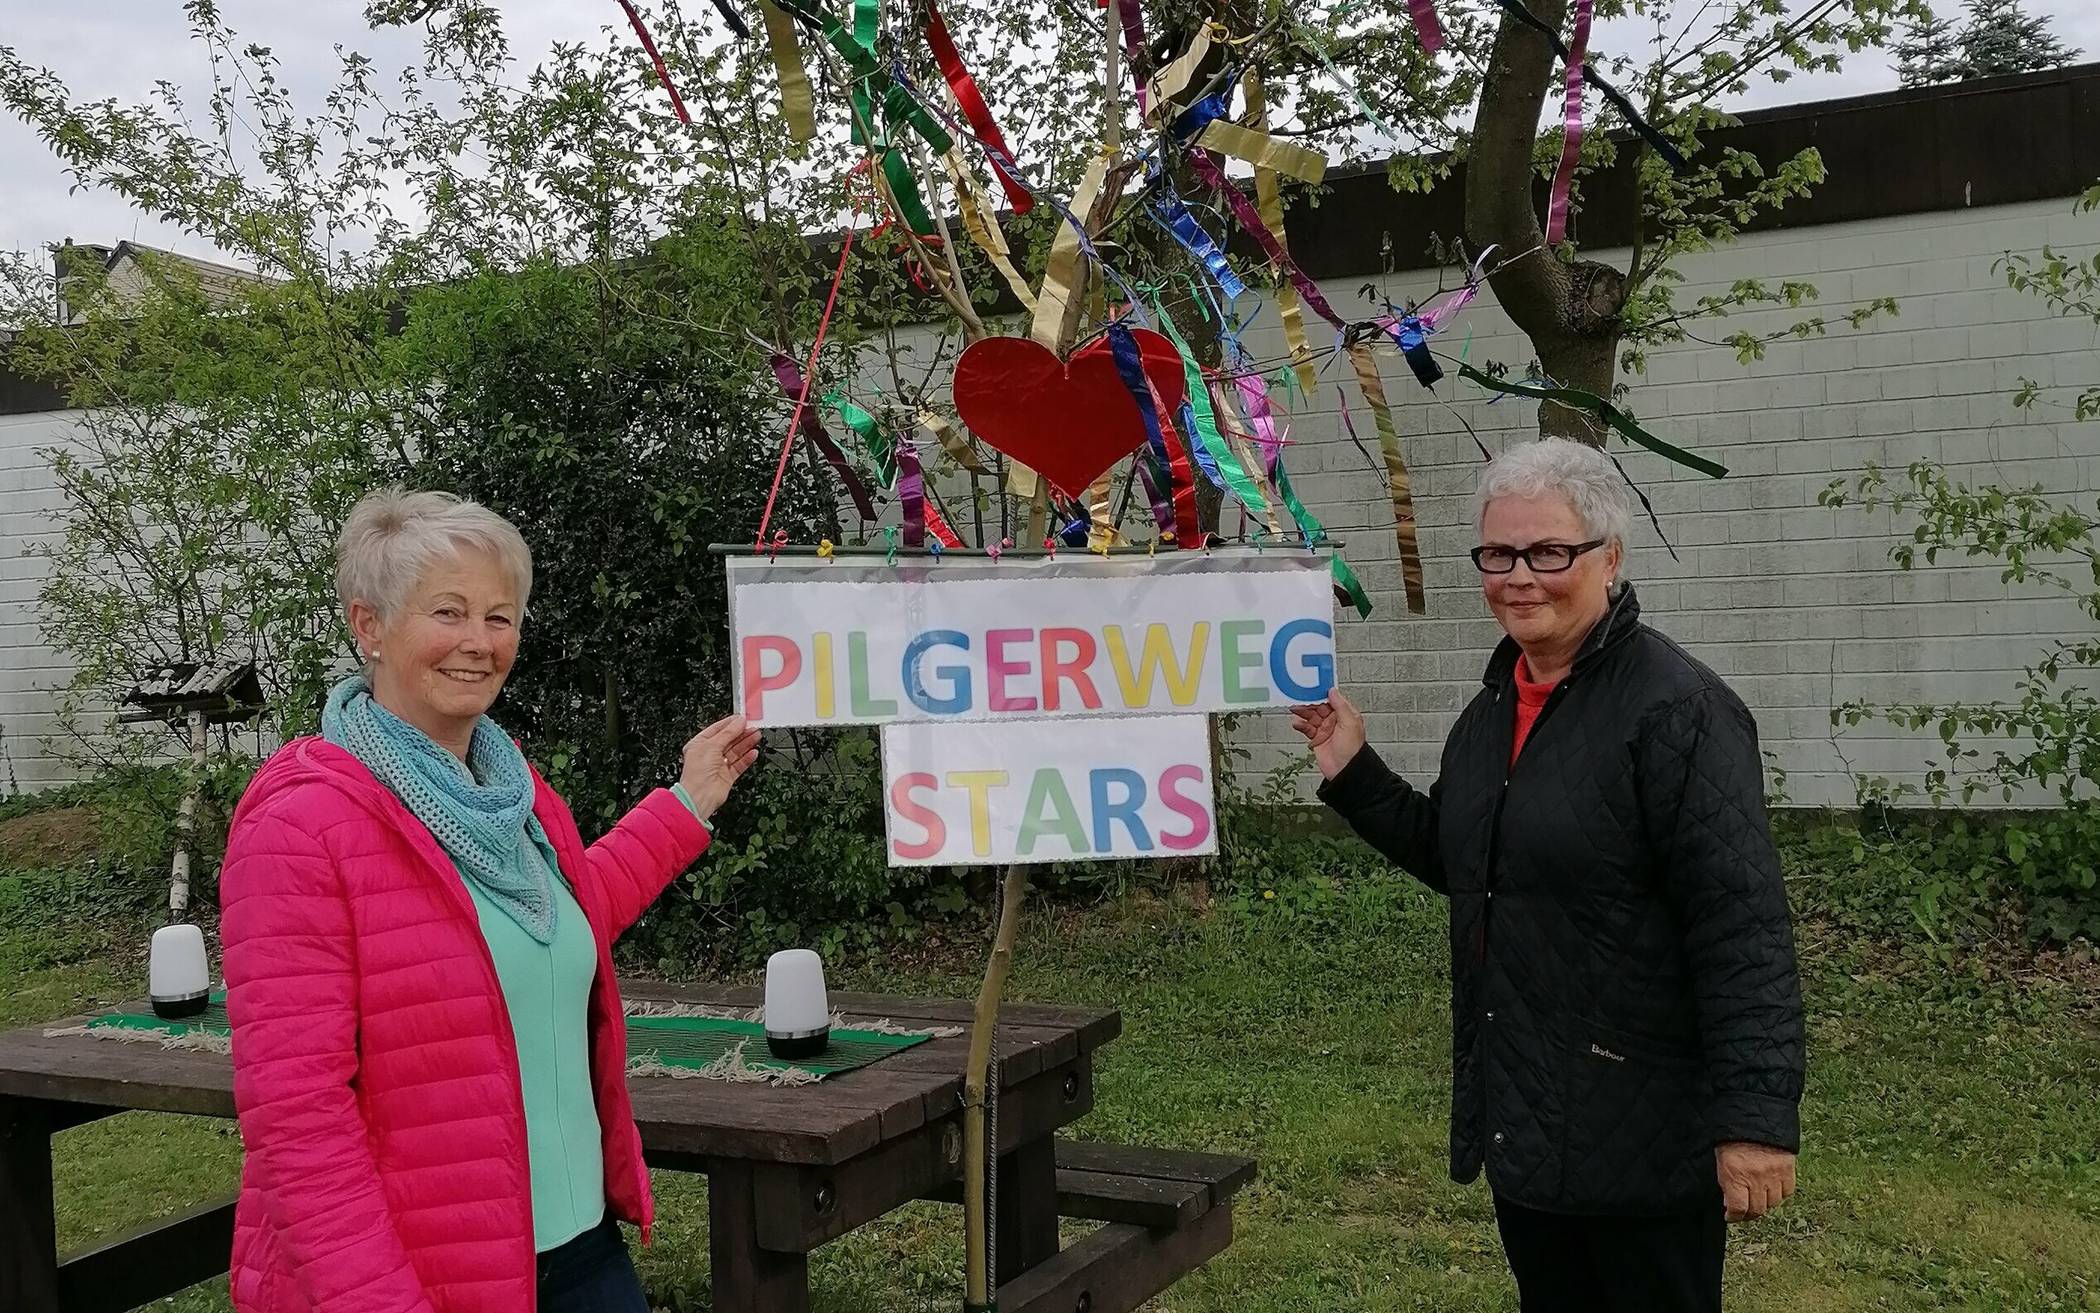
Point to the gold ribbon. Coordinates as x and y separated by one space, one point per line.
1241 439
1269 199
1062 268
1104 535
796 105
1021 481
1263 151
953 442
1366 367
983 227
1174 78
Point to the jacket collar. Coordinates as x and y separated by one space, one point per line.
1618 624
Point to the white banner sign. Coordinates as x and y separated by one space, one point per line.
837 642
975 792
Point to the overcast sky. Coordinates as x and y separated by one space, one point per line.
122 48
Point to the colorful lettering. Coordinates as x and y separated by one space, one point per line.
957 700
865 707
1057 670
827 684
1189 809
924 817
1157 656
979 782
1049 809
1108 811
1320 664
1234 662
757 683
999 667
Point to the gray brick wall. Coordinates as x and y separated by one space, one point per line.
1795 604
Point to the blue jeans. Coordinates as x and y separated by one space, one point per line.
591 1274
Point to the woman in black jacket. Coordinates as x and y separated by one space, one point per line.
1626 1016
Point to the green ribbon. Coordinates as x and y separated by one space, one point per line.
867 25
871 436
1314 533
865 67
904 189
1207 433
1577 399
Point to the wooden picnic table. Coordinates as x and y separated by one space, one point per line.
788 1168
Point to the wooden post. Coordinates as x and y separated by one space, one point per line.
747 1277
977 1289
186 821
28 1229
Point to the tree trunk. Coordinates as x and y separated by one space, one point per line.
1571 312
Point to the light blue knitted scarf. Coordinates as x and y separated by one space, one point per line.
482 816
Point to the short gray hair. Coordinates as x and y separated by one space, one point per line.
1583 474
393 535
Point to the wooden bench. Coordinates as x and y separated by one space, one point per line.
1167 1212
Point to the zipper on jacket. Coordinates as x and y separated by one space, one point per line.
1553 699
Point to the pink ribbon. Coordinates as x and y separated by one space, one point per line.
1426 26
1443 309
1262 417
1571 138
1207 170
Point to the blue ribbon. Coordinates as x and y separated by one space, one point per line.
1175 215
1202 114
1204 460
1413 340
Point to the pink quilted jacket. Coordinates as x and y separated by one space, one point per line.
374 1069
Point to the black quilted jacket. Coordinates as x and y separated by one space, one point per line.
1624 994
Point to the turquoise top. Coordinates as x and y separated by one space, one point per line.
547 988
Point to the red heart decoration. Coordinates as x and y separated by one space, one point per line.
1069 420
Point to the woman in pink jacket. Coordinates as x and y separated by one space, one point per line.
429 1057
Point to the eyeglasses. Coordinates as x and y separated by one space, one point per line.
1543 558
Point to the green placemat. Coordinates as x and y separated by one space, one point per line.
727 1049
713 1048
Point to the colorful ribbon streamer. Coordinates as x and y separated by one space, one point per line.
663 74
1259 148
1442 309
1202 424
880 449
1663 145
1175 77
797 106
1571 132
952 440
1347 586
911 494
937 525
983 228
1366 367
1250 219
1130 368
1427 27
1412 337
1185 230
971 101
1103 534
1319 52
791 387
1618 419
1268 196
1062 267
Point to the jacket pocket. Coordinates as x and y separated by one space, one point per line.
1635 1138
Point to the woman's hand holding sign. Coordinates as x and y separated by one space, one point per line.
1335 728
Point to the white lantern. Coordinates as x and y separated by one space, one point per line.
178 975
798 1013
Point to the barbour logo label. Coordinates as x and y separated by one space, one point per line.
1603 1052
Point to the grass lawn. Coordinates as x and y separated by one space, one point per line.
1953 1156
